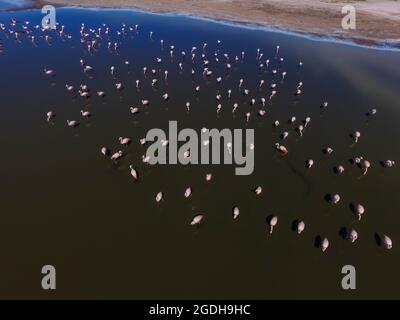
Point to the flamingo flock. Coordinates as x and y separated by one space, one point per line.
201 63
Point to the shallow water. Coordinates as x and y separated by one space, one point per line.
63 204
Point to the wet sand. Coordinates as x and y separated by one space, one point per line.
377 20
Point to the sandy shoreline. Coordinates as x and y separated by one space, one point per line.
377 20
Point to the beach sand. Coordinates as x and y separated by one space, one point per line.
377 20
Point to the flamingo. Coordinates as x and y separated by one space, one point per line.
310 163
49 72
50 115
334 198
134 110
359 211
262 113
72 123
84 94
387 242
281 148
339 169
272 223
188 192
124 141
105 151
197 219
159 196
300 130
352 235
365 165
87 69
263 101
356 135
86 114
134 173
248 116
300 227
258 190
235 213
324 244
145 159
235 106
389 163
116 156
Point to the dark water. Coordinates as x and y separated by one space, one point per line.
64 204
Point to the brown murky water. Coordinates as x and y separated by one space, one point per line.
64 204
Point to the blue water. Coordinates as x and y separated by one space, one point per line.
62 203
13 4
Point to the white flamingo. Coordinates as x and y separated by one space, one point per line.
86 114
235 213
124 141
105 151
359 210
116 156
134 173
50 115
324 244
300 227
387 242
72 123
272 223
353 235
188 192
159 196
197 219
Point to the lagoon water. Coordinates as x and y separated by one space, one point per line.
13 4
64 204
